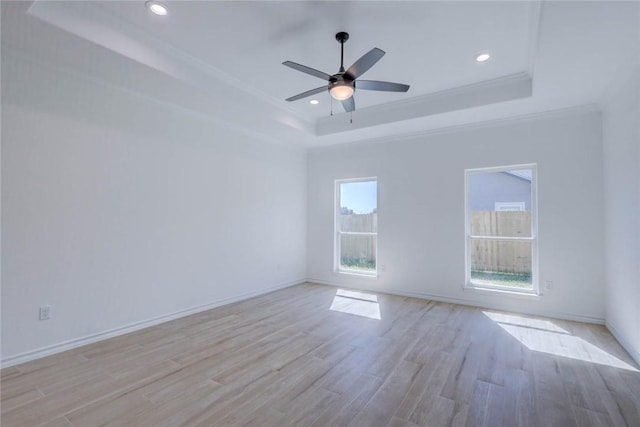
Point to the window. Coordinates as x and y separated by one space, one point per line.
501 242
356 225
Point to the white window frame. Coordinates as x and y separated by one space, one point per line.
533 239
337 232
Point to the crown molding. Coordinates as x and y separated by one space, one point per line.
535 24
506 88
465 127
10 54
160 55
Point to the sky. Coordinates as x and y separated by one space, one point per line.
362 197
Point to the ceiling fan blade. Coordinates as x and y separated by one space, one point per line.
307 70
365 62
307 93
383 86
349 104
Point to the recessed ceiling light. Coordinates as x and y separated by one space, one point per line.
483 57
314 102
157 8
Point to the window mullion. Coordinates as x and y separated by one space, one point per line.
357 233
502 238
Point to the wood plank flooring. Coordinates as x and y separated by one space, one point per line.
286 358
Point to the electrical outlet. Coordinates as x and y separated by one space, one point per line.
45 312
548 285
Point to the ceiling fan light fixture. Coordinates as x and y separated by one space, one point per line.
342 85
157 8
341 91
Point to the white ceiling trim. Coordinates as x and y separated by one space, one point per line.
96 24
506 88
535 24
503 121
17 59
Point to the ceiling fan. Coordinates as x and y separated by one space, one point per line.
343 84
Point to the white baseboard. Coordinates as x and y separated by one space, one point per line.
469 302
634 353
89 339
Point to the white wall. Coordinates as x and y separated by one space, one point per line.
421 210
117 210
621 140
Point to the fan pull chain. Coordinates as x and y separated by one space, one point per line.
331 98
351 117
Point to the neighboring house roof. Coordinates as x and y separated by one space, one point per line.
521 173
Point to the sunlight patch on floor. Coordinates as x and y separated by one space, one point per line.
358 303
546 337
513 319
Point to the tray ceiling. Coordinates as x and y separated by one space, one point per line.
225 57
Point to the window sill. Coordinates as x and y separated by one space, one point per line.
506 292
357 273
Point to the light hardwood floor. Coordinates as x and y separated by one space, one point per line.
287 358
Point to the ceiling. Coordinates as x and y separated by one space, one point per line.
223 59
250 40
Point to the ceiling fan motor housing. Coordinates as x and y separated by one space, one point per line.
341 79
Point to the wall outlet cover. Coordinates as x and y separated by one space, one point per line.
45 312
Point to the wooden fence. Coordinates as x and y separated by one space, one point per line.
505 256
486 255
362 248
